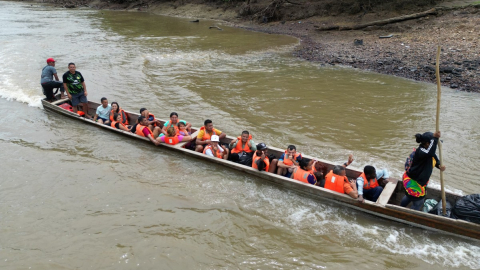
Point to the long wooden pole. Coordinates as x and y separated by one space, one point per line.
439 95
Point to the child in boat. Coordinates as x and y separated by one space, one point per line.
182 129
172 137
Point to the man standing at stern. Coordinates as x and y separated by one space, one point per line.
47 82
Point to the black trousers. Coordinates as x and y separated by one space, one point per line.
49 86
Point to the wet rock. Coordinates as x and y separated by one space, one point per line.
453 85
429 69
69 6
413 69
446 70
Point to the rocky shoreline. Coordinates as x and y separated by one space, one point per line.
405 49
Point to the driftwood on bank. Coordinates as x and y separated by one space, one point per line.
381 22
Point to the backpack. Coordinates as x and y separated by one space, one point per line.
408 162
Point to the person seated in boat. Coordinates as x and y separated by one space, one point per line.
417 174
152 122
368 185
172 137
261 161
142 129
117 123
182 129
175 120
214 149
288 161
205 133
306 172
116 109
337 180
242 149
102 114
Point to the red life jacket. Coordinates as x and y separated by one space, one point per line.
121 112
239 148
139 130
334 182
301 175
171 140
219 155
115 122
254 162
287 161
207 136
369 185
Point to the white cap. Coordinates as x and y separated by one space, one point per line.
215 138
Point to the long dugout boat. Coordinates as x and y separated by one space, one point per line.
387 206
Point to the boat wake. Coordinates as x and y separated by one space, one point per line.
11 91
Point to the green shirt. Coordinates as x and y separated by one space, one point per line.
74 82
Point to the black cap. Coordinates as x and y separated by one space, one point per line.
261 146
427 136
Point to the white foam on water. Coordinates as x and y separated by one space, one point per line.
11 91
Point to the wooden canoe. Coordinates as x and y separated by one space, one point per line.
387 206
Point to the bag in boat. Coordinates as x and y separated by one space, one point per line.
438 210
245 159
66 106
429 205
468 208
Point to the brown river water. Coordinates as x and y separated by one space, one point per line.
76 197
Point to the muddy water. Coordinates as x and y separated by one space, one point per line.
75 197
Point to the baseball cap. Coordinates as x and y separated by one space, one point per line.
261 146
215 138
50 60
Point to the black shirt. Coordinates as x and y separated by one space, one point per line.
74 82
422 164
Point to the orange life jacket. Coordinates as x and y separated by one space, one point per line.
177 130
139 130
219 155
301 175
207 136
369 185
287 161
80 113
171 140
254 162
114 122
334 182
151 115
121 112
239 148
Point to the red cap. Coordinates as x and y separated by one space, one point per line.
50 60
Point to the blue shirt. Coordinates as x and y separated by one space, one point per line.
104 112
47 74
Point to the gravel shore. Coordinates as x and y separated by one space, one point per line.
405 49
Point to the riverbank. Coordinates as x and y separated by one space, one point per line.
407 49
